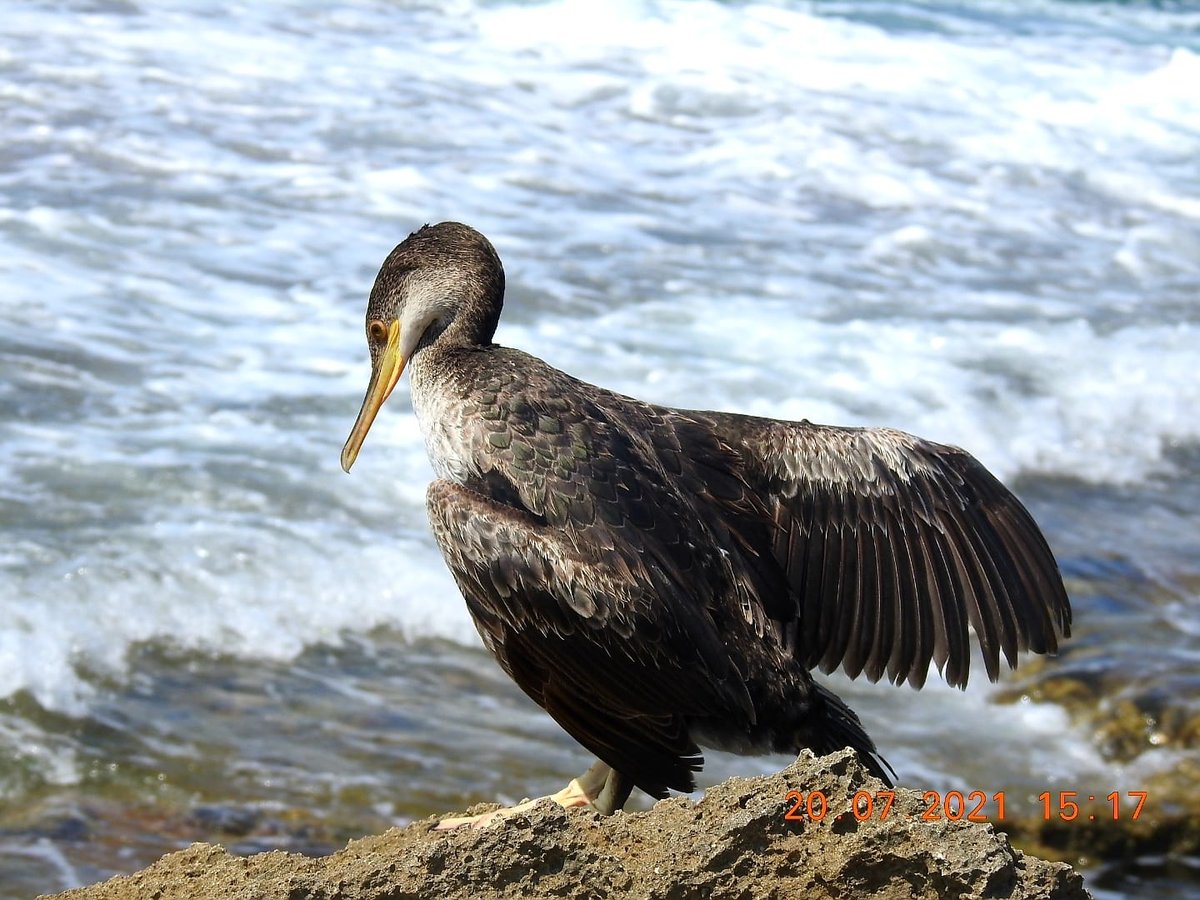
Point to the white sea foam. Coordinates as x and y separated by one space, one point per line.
984 236
251 592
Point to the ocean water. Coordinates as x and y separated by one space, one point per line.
976 221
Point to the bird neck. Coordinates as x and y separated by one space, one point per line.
472 324
441 382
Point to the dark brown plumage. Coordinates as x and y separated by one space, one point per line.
660 580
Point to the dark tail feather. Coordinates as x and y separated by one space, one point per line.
836 726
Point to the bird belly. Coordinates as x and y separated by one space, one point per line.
744 740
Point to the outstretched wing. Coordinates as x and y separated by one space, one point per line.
892 547
588 629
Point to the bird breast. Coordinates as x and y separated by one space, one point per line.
442 415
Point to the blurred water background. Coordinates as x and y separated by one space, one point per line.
978 221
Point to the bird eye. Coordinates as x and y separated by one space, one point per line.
376 330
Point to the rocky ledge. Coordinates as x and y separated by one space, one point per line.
746 839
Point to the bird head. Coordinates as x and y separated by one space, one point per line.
442 284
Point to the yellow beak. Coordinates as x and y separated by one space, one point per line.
384 376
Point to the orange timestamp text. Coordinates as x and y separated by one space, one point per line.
971 806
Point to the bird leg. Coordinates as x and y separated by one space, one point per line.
601 787
614 793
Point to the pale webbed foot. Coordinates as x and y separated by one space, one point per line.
595 788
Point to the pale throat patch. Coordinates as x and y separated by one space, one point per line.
443 420
444 425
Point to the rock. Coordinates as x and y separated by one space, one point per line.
737 842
